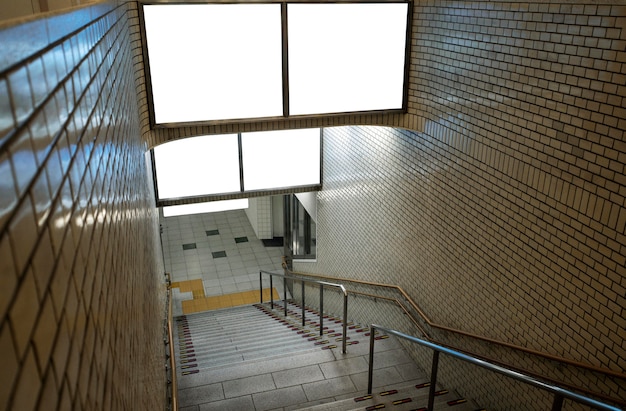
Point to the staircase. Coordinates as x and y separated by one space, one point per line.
252 358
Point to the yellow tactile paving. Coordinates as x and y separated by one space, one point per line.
202 303
198 294
194 286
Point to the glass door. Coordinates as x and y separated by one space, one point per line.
300 229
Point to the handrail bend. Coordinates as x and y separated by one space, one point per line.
170 336
303 281
559 393
399 304
432 324
426 319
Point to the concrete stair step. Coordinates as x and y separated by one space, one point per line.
218 334
253 367
241 354
235 358
218 317
222 337
227 343
402 398
257 345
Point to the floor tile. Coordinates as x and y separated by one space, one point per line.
328 388
380 378
297 376
250 385
201 394
389 358
282 397
233 404
340 368
215 233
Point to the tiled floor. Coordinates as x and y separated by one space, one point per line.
200 302
215 254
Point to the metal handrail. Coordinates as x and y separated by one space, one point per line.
304 280
559 393
432 324
170 336
398 303
551 357
488 358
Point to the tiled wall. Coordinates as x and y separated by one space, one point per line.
503 213
411 223
522 113
81 303
259 213
10 9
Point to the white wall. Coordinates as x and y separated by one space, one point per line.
309 202
278 218
259 213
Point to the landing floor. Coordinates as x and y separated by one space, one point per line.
216 254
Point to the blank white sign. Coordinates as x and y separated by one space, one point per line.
346 57
214 61
198 166
277 159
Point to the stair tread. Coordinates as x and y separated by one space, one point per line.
418 398
223 337
249 341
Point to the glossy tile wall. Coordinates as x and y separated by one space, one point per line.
81 303
18 9
515 212
503 210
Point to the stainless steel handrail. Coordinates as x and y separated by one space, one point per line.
580 365
321 284
429 322
559 393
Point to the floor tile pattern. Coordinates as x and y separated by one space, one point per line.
222 262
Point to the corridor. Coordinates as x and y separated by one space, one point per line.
212 255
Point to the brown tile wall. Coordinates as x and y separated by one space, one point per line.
524 126
502 211
503 207
81 301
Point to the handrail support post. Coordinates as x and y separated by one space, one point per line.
321 302
370 372
272 291
303 310
557 404
433 381
285 294
321 310
345 322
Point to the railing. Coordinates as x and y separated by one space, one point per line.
559 393
517 348
321 284
170 337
